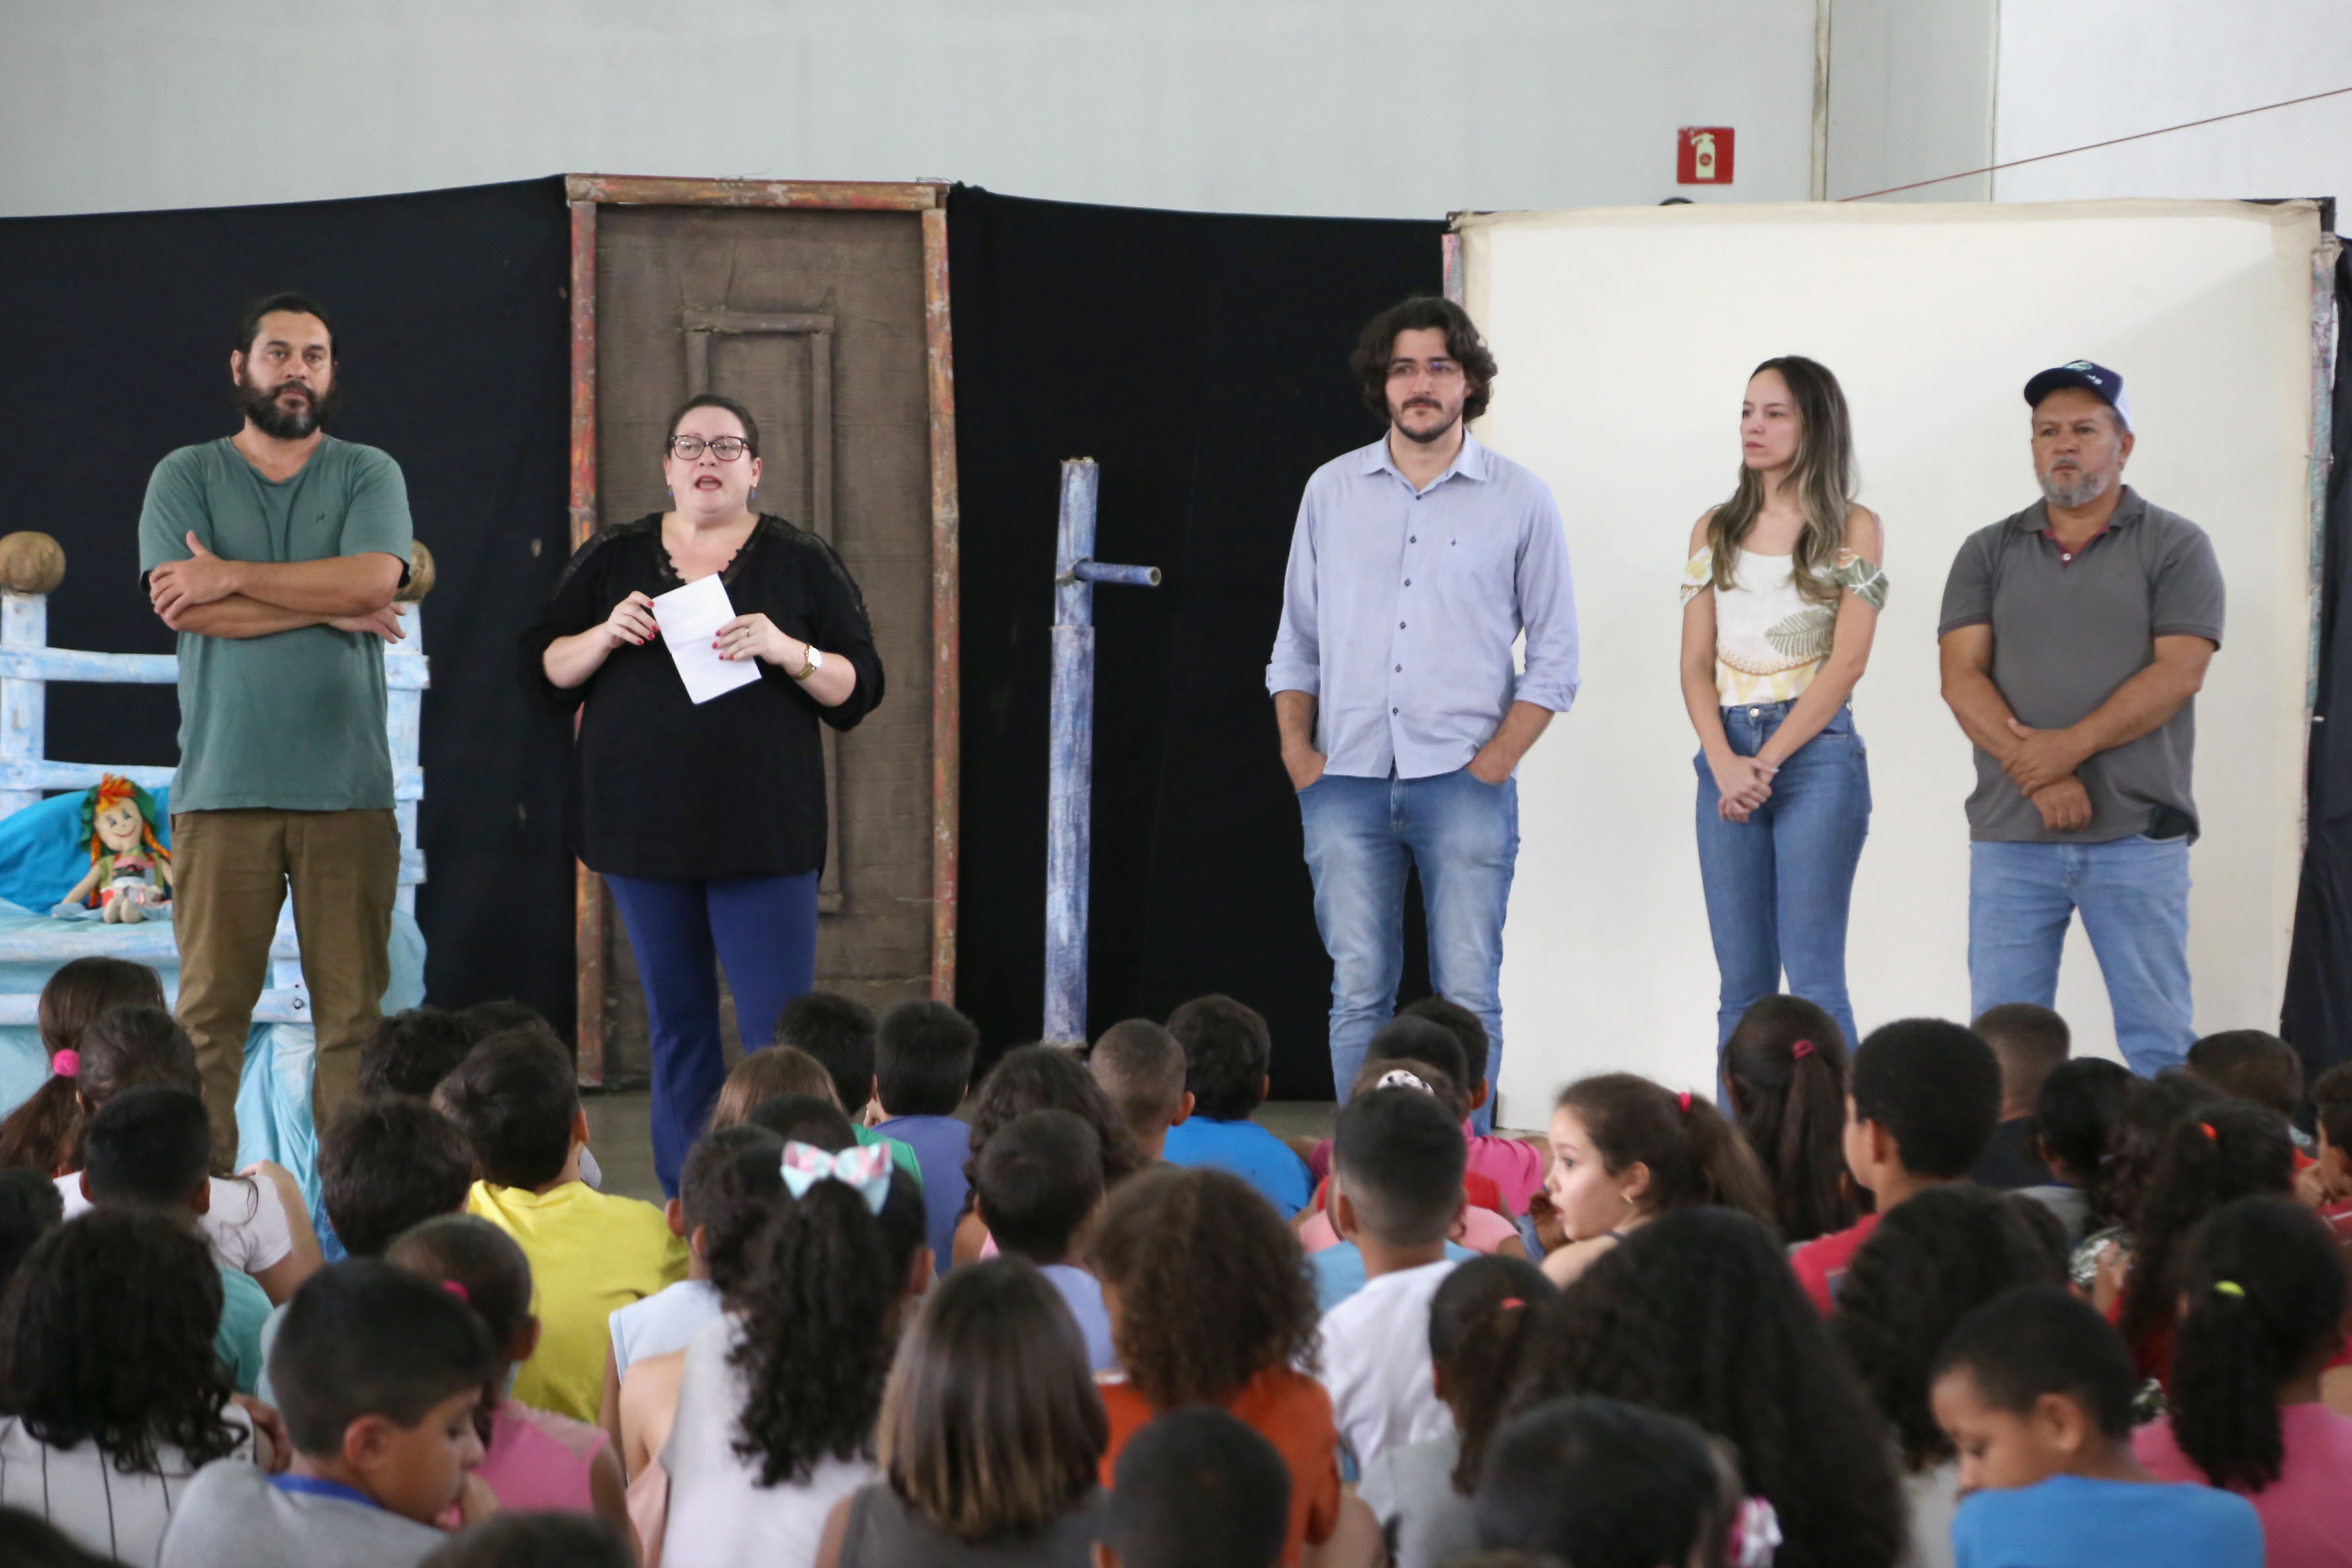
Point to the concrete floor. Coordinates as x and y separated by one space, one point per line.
619 1134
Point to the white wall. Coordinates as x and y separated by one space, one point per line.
1911 88
1371 107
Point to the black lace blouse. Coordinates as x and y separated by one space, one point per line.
661 788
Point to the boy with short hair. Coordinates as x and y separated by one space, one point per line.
1920 1107
1040 1177
1396 1166
839 1032
152 1148
1515 1165
923 1056
378 1372
1193 1486
2034 1388
590 1252
1141 1068
2030 1043
1227 1051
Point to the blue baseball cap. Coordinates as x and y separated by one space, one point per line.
2096 380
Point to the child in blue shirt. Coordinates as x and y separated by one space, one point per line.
1226 1053
923 1055
2034 1389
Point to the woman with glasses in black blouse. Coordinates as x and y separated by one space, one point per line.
705 821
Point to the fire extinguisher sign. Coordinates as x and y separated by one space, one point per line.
1703 155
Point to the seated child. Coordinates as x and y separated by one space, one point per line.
1209 1305
535 1541
989 1440
2034 1391
2030 1043
1926 1096
2265 1289
1141 1068
1604 1484
777 1399
114 1387
1516 1165
1626 1151
412 1052
2327 1186
1933 1261
2249 1064
256 1221
44 1133
1784 1071
1226 1053
1481 1226
1420 1492
533 1460
29 1209
782 1070
378 1375
2078 1107
1196 1487
1035 1185
590 1252
1420 1044
837 1032
1397 1160
1040 1078
923 1055
149 1149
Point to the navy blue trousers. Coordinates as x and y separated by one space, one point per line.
763 929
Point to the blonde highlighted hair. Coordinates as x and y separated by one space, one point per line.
1822 479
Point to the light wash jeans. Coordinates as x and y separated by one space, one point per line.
1779 885
2134 895
1362 834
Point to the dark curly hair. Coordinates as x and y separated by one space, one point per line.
1477 1331
84 1358
1227 1047
1789 1104
44 1133
2074 1113
2228 1150
2151 1108
1694 1156
1931 1261
1212 1285
820 1324
1934 1085
2266 1291
1050 1077
1697 1314
1421 312
412 1052
731 1184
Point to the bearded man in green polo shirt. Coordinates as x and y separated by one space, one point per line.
275 554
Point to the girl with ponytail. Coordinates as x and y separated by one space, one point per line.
2226 1151
1420 1492
44 1133
1784 1080
778 1399
1626 1151
2264 1289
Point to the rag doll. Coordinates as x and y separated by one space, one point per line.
130 871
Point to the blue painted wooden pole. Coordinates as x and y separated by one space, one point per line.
1070 798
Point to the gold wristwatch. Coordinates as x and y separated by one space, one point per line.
816 663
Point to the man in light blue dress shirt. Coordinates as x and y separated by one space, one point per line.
1416 564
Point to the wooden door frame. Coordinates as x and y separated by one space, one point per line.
585 194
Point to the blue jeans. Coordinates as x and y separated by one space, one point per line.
1778 885
763 928
2134 895
1362 834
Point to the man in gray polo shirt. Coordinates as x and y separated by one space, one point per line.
2075 635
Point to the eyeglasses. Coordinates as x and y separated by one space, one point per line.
726 448
1439 369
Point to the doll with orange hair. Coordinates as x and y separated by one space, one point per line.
130 870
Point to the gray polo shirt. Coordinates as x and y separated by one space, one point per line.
2065 635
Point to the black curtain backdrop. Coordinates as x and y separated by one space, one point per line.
1200 360
2318 1016
454 344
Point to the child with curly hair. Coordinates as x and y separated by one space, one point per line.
1697 1314
2265 1289
1784 1071
1936 1258
1210 1305
1626 1151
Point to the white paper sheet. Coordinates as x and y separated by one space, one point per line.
689 618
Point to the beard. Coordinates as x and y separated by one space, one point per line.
1424 437
2074 487
283 418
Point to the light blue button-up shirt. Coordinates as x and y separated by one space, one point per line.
1400 610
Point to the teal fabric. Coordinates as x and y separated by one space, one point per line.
245 1307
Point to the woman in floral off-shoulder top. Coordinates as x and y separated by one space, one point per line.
1780 598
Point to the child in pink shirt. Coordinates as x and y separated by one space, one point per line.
1517 1168
2264 1291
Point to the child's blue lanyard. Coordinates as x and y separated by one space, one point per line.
318 1486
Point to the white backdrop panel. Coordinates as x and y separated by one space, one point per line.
1626 337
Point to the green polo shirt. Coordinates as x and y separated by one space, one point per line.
293 721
